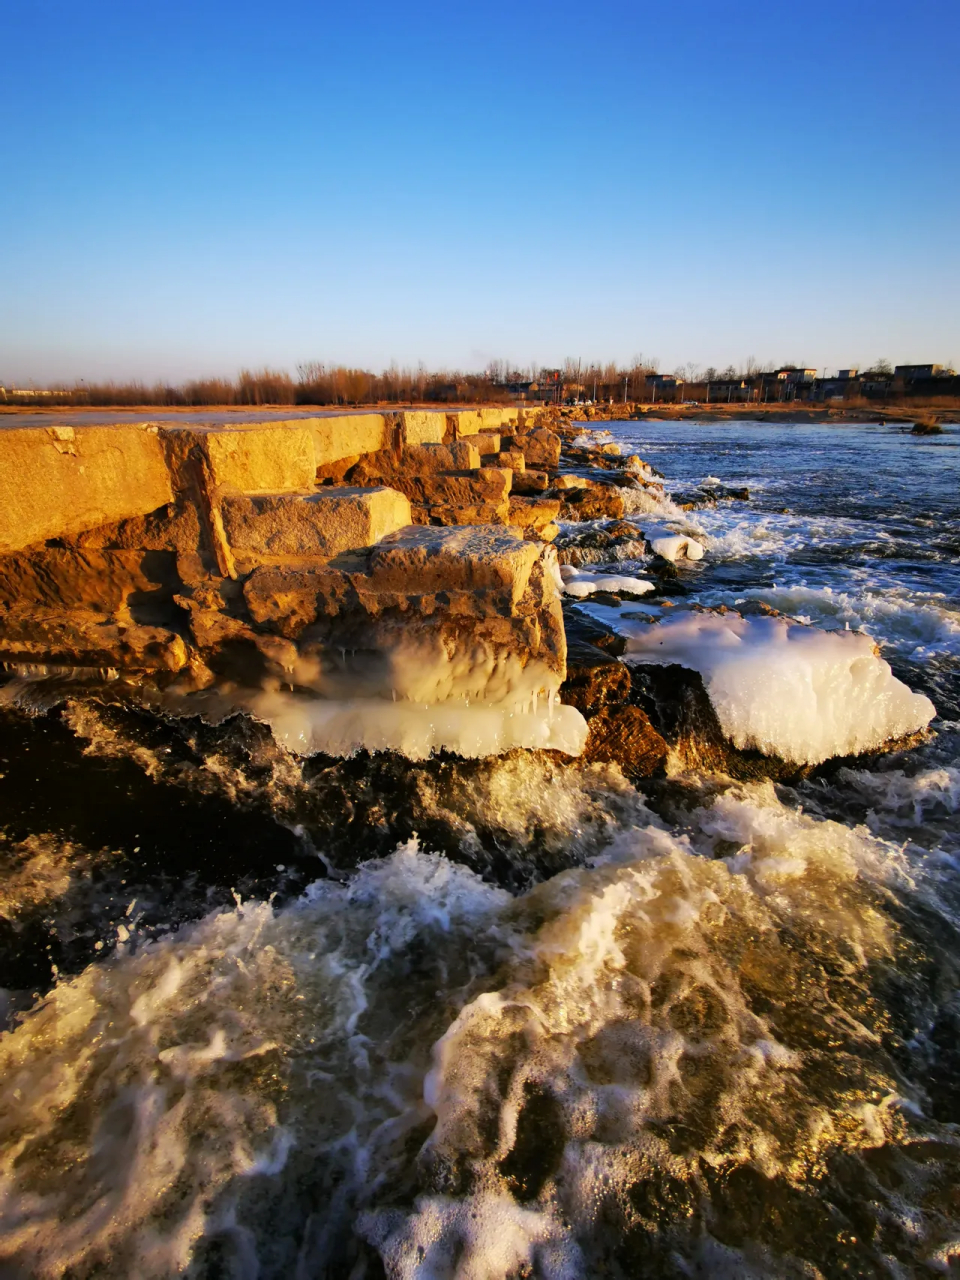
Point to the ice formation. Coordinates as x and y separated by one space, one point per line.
580 584
785 689
673 546
311 726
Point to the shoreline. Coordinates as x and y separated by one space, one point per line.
630 412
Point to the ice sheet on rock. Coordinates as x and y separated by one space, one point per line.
579 584
312 726
787 690
673 546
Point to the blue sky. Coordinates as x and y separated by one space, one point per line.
188 188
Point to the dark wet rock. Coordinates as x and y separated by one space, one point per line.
680 709
598 502
624 736
600 687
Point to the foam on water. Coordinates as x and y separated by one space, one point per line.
237 1093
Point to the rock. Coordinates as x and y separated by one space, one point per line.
512 458
350 435
567 482
680 709
530 482
465 422
264 457
95 580
535 514
57 481
91 640
483 485
625 736
422 426
427 614
488 442
598 502
541 449
428 459
480 513
600 688
321 523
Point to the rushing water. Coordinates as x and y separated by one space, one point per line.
273 1018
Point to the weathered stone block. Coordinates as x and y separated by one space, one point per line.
512 458
526 481
84 638
485 484
541 448
427 459
468 513
266 457
422 426
488 442
56 481
351 435
493 419
102 581
322 523
536 514
465 422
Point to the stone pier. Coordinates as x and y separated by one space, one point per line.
405 553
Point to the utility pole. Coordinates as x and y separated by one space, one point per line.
625 389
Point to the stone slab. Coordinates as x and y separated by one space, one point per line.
325 522
265 457
427 459
423 426
351 435
57 481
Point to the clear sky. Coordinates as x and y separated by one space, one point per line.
191 186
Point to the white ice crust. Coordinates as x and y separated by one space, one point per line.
576 582
673 546
787 690
310 726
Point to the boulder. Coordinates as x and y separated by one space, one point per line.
321 523
596 502
541 449
466 513
535 514
525 481
488 442
57 481
484 485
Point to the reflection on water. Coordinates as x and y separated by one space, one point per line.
505 1017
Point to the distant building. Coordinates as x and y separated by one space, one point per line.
910 371
729 389
788 383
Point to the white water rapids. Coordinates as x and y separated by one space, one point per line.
513 1017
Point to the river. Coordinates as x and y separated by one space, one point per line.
280 1018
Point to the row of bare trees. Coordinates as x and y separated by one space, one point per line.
317 383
